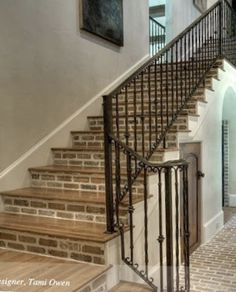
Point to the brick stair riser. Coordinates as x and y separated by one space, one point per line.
164 90
189 66
85 212
198 95
91 159
138 109
73 181
166 86
179 124
85 251
90 141
180 75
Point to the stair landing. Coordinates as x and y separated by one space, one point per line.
39 273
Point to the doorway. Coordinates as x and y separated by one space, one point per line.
191 152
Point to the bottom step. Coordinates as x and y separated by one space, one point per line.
27 272
130 287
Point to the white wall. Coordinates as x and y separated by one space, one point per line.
211 2
229 115
179 15
208 131
49 68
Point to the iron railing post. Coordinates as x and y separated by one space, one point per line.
220 27
107 121
186 228
169 231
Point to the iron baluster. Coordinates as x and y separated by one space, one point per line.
177 227
108 120
161 237
145 221
169 230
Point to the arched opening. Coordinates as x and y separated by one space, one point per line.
229 149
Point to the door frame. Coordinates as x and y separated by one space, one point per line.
199 192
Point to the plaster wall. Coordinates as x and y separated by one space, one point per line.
49 68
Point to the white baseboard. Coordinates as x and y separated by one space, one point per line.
213 226
16 176
232 200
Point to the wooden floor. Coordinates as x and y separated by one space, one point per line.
50 274
130 287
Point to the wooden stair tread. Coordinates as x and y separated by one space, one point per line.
70 169
24 266
65 195
130 287
90 171
94 132
79 149
99 149
58 194
61 228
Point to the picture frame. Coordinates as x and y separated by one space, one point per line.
103 18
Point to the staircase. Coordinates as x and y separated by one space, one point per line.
68 212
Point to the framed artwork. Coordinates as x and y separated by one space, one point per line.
103 18
201 5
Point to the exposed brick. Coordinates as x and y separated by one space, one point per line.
8 201
92 249
7 236
15 245
58 253
2 243
48 177
27 239
64 178
65 215
84 217
19 202
28 211
71 186
75 208
69 155
37 204
95 210
46 213
12 209
81 179
48 242
98 260
56 206
81 257
54 185
88 187
36 249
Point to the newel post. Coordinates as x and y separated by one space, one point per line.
107 121
169 230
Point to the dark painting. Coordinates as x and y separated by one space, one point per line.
103 18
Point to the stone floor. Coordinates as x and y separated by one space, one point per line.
213 265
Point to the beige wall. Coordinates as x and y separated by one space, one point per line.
49 68
179 15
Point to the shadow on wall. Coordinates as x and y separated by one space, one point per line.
229 116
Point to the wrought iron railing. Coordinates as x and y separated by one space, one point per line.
138 115
157 36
